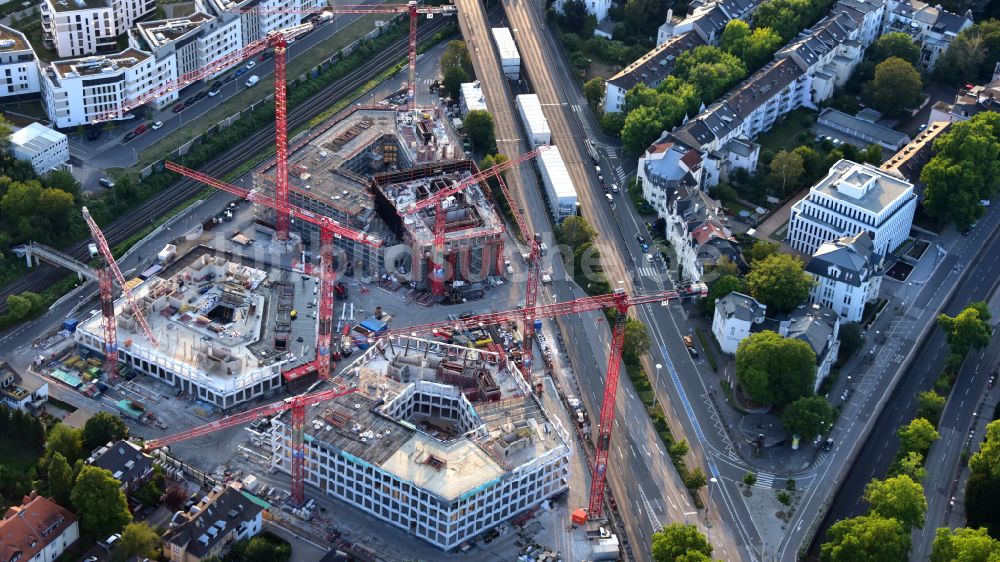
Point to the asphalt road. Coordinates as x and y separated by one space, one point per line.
878 452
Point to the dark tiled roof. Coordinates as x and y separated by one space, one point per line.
123 459
225 511
655 65
850 259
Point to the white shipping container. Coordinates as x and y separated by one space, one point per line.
558 185
534 120
510 59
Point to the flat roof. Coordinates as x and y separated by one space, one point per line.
36 137
880 189
74 5
505 43
885 135
98 64
12 40
162 32
553 163
474 97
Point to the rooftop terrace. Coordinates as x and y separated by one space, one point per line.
161 32
99 64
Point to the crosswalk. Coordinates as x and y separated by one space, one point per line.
584 122
764 480
649 272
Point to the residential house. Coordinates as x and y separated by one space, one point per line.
126 462
224 516
848 273
852 198
18 66
735 315
45 148
707 18
694 220
666 167
932 27
863 131
910 160
597 8
968 102
38 530
27 394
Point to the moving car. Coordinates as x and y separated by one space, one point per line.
179 108
241 71
157 125
215 89
200 95
252 80
251 64
128 136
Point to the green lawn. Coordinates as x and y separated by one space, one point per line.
15 455
296 67
788 133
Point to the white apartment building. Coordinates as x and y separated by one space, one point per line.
853 198
848 273
44 148
932 27
664 168
82 27
254 26
650 69
193 41
707 18
735 314
597 8
18 66
27 394
442 441
76 91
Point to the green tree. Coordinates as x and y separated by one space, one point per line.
678 449
174 497
787 168
593 89
894 44
964 545
971 55
18 307
66 441
755 48
965 331
780 282
899 498
775 370
695 479
102 428
139 539
454 77
722 287
982 495
851 340
930 404
761 249
808 416
917 436
896 86
964 170
868 538
640 129
987 459
260 549
642 17
636 342
456 54
675 541
911 464
575 232
710 70
749 478
813 164
64 181
60 479
100 502
479 126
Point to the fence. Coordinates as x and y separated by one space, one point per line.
311 74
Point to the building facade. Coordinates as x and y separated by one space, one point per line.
18 66
932 27
694 222
665 168
848 274
75 28
735 314
853 198
44 148
20 393
126 462
77 91
192 42
212 525
38 530
597 8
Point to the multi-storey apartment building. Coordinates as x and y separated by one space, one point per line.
931 27
82 27
848 274
853 198
650 69
18 66
192 41
76 91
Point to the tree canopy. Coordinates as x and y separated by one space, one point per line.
789 17
917 436
710 70
868 538
636 342
930 404
139 539
755 48
987 459
65 440
775 370
895 87
479 126
911 464
100 501
787 168
60 479
899 498
593 90
780 282
964 545
963 170
808 416
722 287
971 55
102 428
968 330
37 212
894 44
575 231
761 249
675 541
260 549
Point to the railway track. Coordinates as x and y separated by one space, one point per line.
144 214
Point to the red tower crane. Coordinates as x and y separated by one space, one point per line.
106 277
621 302
413 8
329 229
297 404
437 200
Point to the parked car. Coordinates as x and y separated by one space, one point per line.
141 129
200 95
241 71
128 136
252 80
157 125
179 108
251 64
266 55
231 77
110 542
106 183
215 89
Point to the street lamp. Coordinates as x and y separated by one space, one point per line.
708 507
656 383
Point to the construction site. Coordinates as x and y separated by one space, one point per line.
440 440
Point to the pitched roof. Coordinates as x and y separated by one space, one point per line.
655 65
813 325
219 513
740 306
910 160
123 459
849 259
28 528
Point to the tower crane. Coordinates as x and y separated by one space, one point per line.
106 278
329 229
437 200
413 8
620 301
297 404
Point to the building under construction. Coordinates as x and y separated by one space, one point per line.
360 168
225 328
442 441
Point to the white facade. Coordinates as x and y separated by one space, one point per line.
44 148
695 219
535 124
853 198
597 8
735 314
192 42
18 393
510 59
558 184
82 27
848 275
18 65
472 98
76 91
931 27
664 168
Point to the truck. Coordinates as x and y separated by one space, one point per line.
546 279
598 533
168 253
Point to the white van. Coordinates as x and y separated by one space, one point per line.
252 80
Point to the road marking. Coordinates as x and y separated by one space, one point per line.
764 480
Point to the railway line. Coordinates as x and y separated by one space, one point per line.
143 214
